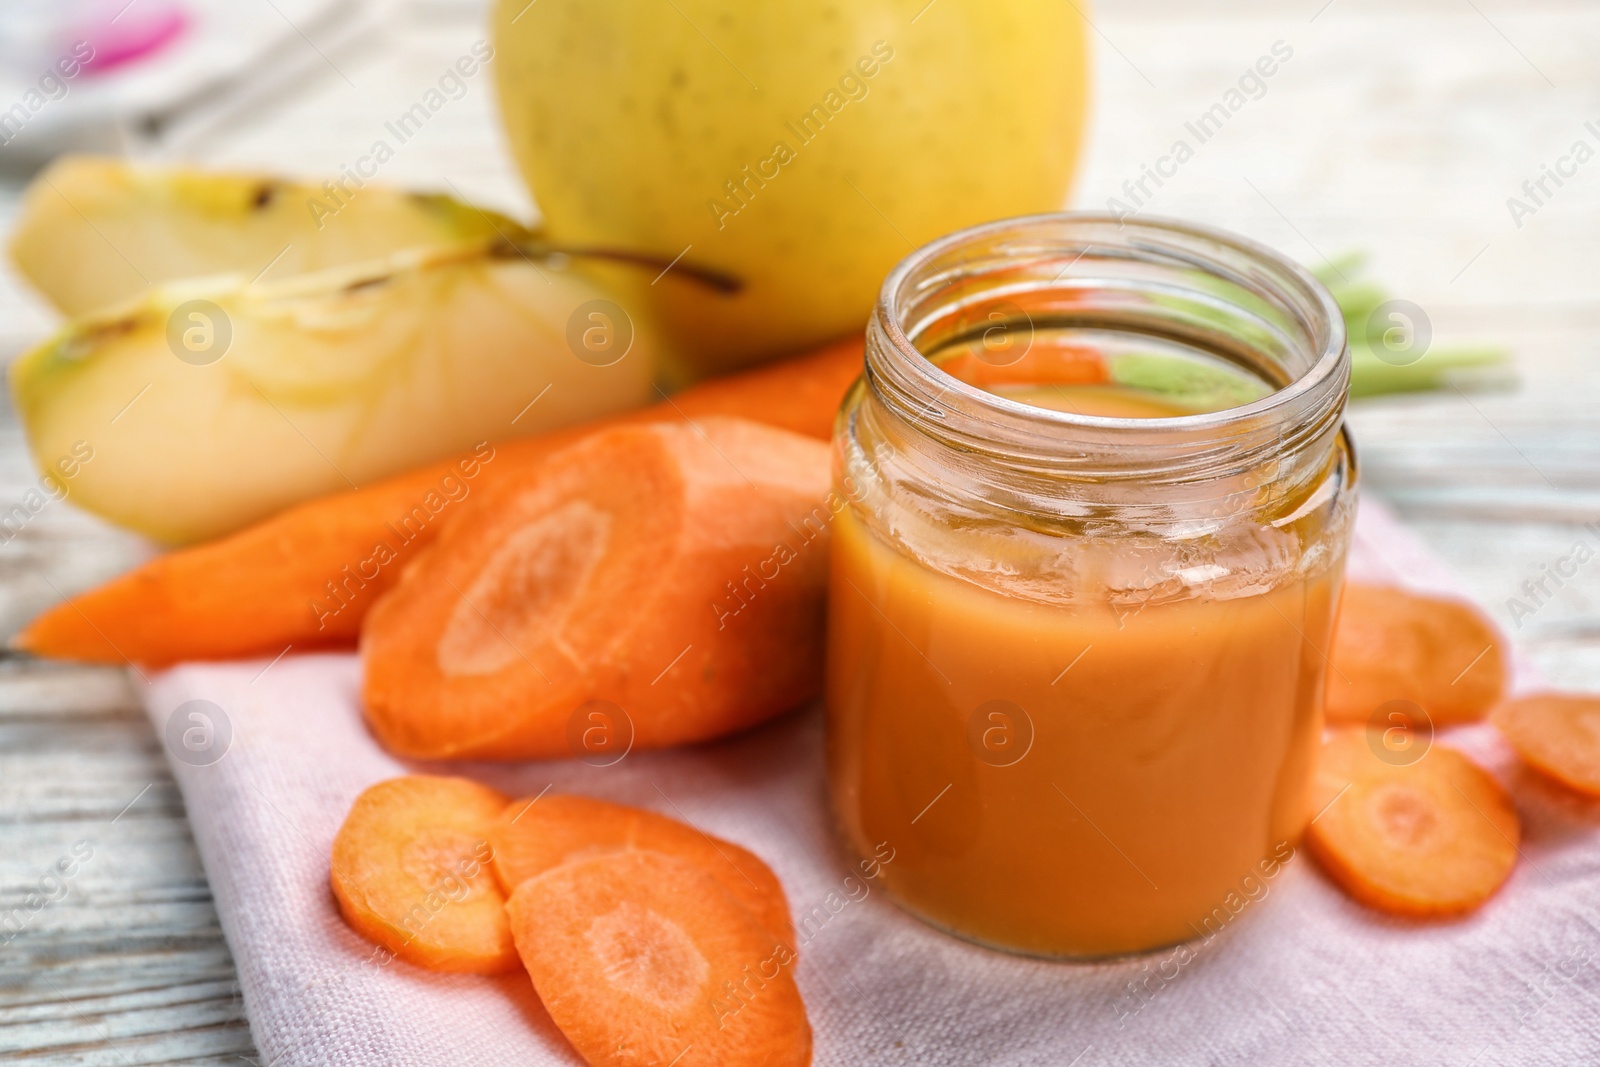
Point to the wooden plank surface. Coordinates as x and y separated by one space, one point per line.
1399 128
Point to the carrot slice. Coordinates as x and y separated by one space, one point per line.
531 836
1391 644
674 572
306 578
1426 839
411 873
641 958
1557 734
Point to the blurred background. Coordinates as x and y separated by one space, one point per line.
1402 130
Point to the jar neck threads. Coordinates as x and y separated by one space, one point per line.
1214 303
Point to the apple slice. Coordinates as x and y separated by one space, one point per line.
95 231
208 404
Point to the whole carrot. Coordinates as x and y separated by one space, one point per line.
305 578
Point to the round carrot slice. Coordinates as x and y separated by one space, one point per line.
1390 644
1431 838
411 873
642 958
1557 734
531 836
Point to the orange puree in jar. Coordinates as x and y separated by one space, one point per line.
1084 583
1075 781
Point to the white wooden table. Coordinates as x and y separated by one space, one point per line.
1398 127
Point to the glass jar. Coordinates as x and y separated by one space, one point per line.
1098 502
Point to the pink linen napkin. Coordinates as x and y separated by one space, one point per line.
1301 975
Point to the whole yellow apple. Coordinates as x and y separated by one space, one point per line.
802 148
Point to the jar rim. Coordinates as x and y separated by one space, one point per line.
1330 362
